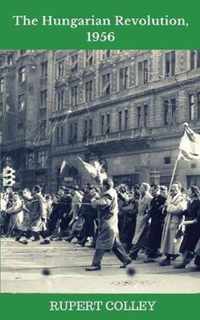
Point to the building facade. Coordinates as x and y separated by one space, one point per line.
25 98
124 108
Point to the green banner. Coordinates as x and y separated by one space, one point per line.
99 24
75 307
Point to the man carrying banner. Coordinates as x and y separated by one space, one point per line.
176 204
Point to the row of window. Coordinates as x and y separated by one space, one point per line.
43 100
169 63
106 81
143 66
40 160
123 116
89 61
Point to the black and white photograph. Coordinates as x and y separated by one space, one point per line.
100 171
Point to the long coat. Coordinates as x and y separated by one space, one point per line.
157 219
192 231
142 217
175 208
17 214
107 207
38 213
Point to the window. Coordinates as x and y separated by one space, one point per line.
170 61
74 63
21 102
170 109
167 160
60 69
59 135
89 91
73 132
43 127
43 98
143 72
89 55
166 112
198 106
107 123
42 159
173 108
120 120
88 129
191 107
85 130
60 97
2 85
146 108
2 60
74 96
123 125
126 119
102 124
106 84
106 54
22 74
44 69
10 59
123 78
194 59
139 117
30 160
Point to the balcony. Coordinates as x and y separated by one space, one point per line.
135 134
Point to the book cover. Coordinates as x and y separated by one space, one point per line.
100 159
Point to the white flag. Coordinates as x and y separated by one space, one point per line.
190 145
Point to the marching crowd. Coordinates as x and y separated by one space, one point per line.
145 221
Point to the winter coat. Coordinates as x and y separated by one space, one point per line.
142 217
157 219
107 207
175 207
192 231
38 213
17 214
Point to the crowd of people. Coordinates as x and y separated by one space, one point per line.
144 221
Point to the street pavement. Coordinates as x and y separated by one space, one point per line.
22 269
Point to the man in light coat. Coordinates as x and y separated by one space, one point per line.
38 213
142 220
108 238
176 204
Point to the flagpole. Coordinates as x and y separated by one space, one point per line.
176 163
173 172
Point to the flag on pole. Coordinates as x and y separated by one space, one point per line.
189 145
89 168
62 167
95 171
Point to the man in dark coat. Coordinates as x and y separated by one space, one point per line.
107 238
156 217
89 214
60 214
192 228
